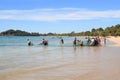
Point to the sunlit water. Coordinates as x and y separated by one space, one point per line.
55 62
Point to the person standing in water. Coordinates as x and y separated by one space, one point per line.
28 42
62 41
74 42
44 42
105 40
99 41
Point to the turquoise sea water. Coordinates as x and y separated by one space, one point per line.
22 40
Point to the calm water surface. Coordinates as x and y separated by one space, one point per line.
15 54
55 62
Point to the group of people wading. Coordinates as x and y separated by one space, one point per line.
44 42
90 42
94 41
77 42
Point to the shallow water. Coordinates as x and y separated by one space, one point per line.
58 62
36 40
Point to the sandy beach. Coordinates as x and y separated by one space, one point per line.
64 63
59 39
116 40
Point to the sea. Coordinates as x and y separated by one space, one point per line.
18 61
36 40
16 54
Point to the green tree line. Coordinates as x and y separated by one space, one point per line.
108 31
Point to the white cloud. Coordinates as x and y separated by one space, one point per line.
57 14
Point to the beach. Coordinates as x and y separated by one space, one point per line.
116 40
61 63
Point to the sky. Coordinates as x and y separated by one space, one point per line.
58 16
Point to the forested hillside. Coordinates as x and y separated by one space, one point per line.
108 31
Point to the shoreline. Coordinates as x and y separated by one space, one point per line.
115 40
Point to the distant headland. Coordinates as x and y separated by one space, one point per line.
108 31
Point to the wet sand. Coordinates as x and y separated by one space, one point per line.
116 40
71 63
